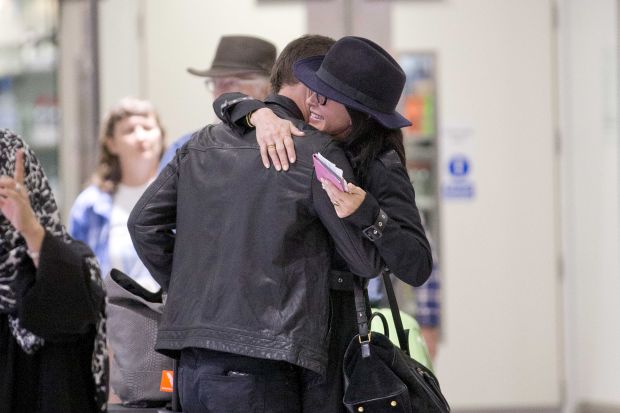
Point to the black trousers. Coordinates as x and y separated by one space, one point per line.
216 382
326 396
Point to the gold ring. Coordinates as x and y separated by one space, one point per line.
336 203
271 146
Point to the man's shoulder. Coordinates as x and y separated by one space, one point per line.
315 141
202 136
219 135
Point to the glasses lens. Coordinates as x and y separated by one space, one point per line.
320 98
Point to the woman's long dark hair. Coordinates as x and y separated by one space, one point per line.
368 140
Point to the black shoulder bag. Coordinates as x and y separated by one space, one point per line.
379 376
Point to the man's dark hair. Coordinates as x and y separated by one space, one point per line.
306 46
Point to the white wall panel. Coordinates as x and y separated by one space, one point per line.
120 60
185 33
591 199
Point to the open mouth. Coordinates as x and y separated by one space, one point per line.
315 116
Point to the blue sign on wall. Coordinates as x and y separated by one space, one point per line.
458 184
459 166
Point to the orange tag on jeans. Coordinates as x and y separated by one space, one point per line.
167 380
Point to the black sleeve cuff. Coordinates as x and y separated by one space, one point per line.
244 108
375 231
232 108
366 214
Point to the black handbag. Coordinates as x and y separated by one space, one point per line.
379 376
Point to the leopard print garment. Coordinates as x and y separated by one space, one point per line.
13 250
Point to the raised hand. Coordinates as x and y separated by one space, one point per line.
274 136
16 208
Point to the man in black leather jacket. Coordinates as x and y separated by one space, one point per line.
246 273
400 241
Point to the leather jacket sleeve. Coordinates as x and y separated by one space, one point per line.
152 222
232 108
403 244
360 254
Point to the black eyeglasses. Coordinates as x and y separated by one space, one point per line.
320 98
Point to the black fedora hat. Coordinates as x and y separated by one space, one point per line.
240 55
359 74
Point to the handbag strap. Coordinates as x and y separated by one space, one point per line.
363 325
403 335
384 322
361 315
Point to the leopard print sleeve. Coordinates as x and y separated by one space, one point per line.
99 362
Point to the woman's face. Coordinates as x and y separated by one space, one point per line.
328 116
136 138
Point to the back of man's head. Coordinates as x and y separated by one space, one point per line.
305 46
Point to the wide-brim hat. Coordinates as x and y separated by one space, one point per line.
240 55
359 74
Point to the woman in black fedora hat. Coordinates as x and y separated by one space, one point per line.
354 91
360 77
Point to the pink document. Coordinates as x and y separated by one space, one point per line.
328 170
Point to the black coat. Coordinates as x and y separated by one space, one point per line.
60 304
247 271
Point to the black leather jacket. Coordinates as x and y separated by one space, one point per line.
401 241
247 270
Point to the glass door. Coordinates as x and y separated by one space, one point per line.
28 77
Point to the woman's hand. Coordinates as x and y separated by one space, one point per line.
273 135
345 203
15 206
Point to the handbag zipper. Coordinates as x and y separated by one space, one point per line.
438 396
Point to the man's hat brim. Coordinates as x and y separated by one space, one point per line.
240 55
225 71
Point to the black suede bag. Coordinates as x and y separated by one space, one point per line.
379 376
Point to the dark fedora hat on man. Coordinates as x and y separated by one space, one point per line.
359 74
240 55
